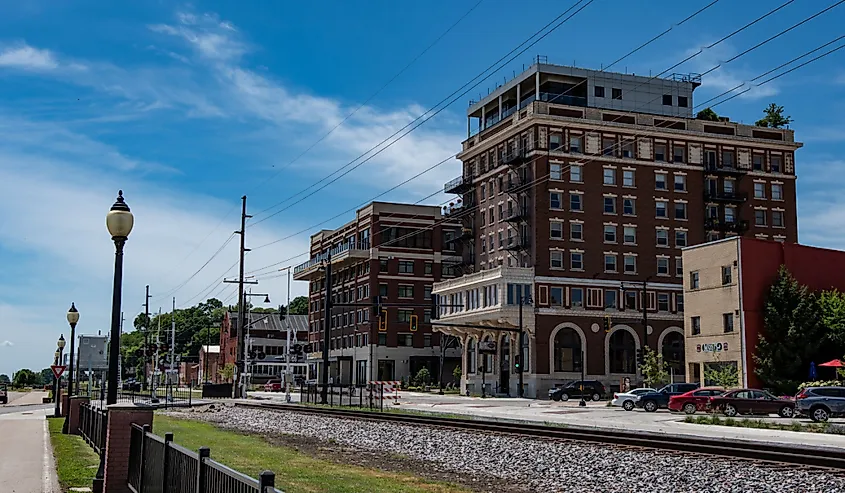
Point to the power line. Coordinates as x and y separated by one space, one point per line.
213 256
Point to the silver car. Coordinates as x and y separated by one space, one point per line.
821 403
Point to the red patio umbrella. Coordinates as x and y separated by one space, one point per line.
834 363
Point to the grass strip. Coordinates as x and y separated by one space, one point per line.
76 461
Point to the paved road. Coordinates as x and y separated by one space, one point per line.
26 457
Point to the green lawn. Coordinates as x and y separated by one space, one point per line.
295 471
76 462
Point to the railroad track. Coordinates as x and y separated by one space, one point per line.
776 456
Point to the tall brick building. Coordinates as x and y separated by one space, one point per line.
579 188
396 251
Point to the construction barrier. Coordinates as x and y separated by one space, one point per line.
390 390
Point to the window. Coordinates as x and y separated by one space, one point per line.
777 191
576 261
660 152
429 268
695 325
728 160
576 231
679 302
693 280
382 339
662 266
599 91
556 295
406 291
556 230
777 219
775 163
757 162
483 218
382 265
759 190
728 322
594 298
610 263
609 234
554 141
492 216
726 275
575 202
554 200
382 290
616 93
679 153
628 178
729 186
660 181
759 218
667 100
663 302
680 238
607 146
575 145
660 209
483 245
492 243
404 315
680 183
406 266
555 171
629 207
679 267
405 340
427 337
662 237
630 264
610 205
629 235
483 192
680 210
575 175
427 292
611 298
491 191
556 261
609 176
630 300
577 297
683 102
730 214
628 149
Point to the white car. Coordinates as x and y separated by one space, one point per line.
627 400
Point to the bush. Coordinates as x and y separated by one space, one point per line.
422 378
821 383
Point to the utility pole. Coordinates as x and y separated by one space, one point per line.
153 397
288 372
173 342
146 335
324 394
241 313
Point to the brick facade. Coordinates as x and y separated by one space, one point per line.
120 420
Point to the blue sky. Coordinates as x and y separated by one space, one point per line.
186 107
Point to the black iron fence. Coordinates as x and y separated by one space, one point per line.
165 396
92 425
157 465
371 396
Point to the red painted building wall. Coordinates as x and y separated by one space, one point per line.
817 268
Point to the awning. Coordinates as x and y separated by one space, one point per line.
835 363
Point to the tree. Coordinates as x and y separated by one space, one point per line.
47 377
227 372
5 379
423 377
707 114
832 306
299 306
457 372
654 369
774 117
794 334
26 378
721 374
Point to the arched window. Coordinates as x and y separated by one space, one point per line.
487 366
471 355
673 352
567 350
623 352
505 353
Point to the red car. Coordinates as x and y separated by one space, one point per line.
273 386
694 400
753 401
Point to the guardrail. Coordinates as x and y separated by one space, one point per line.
369 396
166 396
93 422
156 464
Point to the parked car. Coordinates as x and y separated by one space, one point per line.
627 400
694 400
273 386
4 396
655 400
752 401
590 389
821 403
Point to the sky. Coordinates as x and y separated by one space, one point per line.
188 107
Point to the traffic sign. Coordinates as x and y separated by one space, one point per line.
58 370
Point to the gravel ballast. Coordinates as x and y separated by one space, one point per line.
541 465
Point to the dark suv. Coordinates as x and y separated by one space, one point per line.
821 403
655 400
590 389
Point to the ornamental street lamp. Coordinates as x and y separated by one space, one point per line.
57 394
119 222
72 319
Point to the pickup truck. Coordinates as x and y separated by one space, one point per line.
656 400
4 395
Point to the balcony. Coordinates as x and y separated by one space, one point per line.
517 244
721 169
516 186
515 214
725 196
715 224
341 254
459 185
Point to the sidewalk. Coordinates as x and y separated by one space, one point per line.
26 456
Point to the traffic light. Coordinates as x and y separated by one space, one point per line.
517 363
382 320
435 310
281 312
607 324
639 357
414 322
376 305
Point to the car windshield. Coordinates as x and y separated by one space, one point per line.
641 391
667 388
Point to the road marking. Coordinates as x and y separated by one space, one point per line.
47 463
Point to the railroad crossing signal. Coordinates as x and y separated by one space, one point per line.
382 320
607 324
414 322
517 363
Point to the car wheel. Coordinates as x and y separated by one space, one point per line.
820 414
628 405
564 396
556 397
730 410
689 408
650 406
786 412
596 397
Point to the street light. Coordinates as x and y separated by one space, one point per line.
119 222
72 319
60 344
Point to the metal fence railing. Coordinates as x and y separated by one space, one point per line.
370 396
157 465
165 396
93 422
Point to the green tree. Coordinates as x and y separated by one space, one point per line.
794 333
423 377
47 377
654 370
721 374
227 372
457 372
774 117
5 379
832 306
299 306
707 114
26 378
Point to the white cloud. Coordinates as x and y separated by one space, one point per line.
728 75
23 56
7 344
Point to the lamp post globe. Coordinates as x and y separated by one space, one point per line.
61 343
119 222
72 316
72 319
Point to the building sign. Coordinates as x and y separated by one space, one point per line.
487 347
713 347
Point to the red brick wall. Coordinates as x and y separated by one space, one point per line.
121 418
